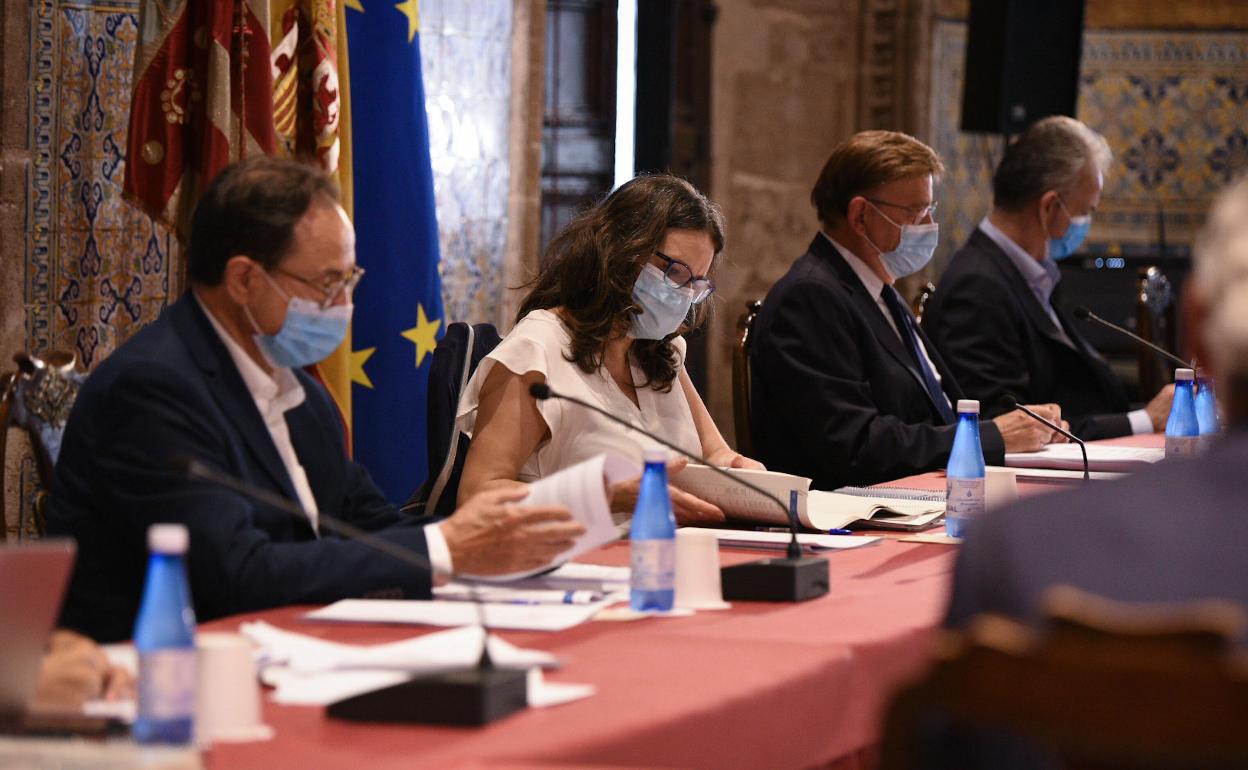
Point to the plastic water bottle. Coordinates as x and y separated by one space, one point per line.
964 477
652 585
164 635
1206 411
1182 429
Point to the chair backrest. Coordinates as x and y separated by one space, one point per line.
741 378
1155 322
1103 685
454 360
37 398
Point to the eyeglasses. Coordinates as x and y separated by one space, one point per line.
332 288
679 275
917 213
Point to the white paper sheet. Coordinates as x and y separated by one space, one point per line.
1048 475
834 510
516 617
1124 459
738 538
583 489
305 671
431 652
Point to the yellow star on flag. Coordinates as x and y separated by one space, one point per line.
410 9
358 357
353 5
424 335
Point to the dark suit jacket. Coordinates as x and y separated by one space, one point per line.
1173 534
171 392
998 338
836 395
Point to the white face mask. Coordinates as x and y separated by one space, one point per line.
914 250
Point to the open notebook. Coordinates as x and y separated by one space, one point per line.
875 507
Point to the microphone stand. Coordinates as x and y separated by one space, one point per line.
1083 314
794 578
1010 402
469 696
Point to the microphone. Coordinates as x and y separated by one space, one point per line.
1083 314
795 578
1010 402
469 696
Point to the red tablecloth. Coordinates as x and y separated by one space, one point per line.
760 685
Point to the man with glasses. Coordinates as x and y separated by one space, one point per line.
218 378
995 315
846 387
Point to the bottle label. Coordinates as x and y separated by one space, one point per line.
167 683
653 565
964 498
1181 446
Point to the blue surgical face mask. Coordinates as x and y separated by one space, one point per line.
309 333
914 250
663 306
1072 239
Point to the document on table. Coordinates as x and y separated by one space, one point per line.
515 617
836 510
583 489
1050 475
740 502
740 538
306 671
1116 458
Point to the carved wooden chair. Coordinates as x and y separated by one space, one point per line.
1104 685
1155 322
36 399
741 378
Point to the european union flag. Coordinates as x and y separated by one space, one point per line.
398 311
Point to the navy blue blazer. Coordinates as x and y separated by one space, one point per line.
836 395
998 338
1173 534
170 392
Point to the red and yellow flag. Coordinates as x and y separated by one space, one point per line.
218 80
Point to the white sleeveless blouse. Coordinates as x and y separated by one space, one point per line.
538 344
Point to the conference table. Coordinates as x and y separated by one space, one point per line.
759 685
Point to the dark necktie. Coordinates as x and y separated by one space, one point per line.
910 335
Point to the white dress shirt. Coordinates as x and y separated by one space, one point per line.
274 396
1042 277
875 287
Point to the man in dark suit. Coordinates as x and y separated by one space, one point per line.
218 378
1176 533
847 389
995 316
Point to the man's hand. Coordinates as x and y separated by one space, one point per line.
689 510
76 670
1023 434
1159 408
491 535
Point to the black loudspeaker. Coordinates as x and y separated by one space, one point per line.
1022 63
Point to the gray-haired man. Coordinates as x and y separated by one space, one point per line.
994 318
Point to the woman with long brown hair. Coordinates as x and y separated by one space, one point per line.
603 321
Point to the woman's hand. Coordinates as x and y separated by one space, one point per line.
689 509
726 458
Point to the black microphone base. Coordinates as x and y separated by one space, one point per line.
776 580
468 696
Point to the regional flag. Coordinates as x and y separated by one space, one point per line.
398 305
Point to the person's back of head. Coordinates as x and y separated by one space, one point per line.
1216 306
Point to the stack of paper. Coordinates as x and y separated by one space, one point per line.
307 671
1124 459
740 538
834 510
